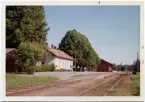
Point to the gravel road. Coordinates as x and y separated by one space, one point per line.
68 75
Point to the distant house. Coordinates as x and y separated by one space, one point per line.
59 58
104 66
10 60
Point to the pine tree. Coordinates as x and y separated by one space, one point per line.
25 23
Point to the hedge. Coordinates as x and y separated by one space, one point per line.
63 70
44 68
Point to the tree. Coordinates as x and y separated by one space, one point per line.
29 55
122 68
136 66
77 45
25 23
114 66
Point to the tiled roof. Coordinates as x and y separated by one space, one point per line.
59 53
102 60
9 50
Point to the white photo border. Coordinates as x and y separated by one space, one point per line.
63 3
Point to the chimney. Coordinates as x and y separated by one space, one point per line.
52 46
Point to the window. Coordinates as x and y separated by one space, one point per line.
70 63
59 64
63 64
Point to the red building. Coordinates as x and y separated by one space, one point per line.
11 57
104 66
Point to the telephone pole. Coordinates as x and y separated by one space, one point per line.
136 65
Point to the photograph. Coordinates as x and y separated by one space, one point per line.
72 50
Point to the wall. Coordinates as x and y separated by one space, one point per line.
104 68
38 63
50 59
10 65
59 62
63 63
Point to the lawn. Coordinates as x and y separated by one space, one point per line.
16 80
135 79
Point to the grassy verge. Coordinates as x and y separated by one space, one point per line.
135 83
118 92
15 80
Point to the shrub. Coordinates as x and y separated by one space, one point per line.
30 70
135 82
52 67
44 68
63 70
29 55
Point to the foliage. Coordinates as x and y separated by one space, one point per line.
77 45
135 67
25 23
29 55
63 70
17 80
118 92
114 66
44 68
136 84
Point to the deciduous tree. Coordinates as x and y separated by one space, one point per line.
25 23
78 46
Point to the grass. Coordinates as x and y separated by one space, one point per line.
17 80
111 91
135 84
118 92
135 88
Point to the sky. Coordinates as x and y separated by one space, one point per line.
113 31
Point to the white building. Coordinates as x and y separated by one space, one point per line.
59 58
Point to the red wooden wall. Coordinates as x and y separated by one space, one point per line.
104 66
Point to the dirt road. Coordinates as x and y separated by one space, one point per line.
81 85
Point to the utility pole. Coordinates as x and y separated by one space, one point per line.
136 65
137 62
75 63
99 2
137 56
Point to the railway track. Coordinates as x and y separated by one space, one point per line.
105 94
96 88
102 88
29 88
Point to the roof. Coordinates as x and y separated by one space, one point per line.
9 50
102 60
59 53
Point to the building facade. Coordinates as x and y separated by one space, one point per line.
60 59
104 66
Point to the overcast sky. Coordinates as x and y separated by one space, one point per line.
113 31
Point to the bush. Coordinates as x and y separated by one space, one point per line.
29 55
63 70
30 70
135 82
44 68
52 67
